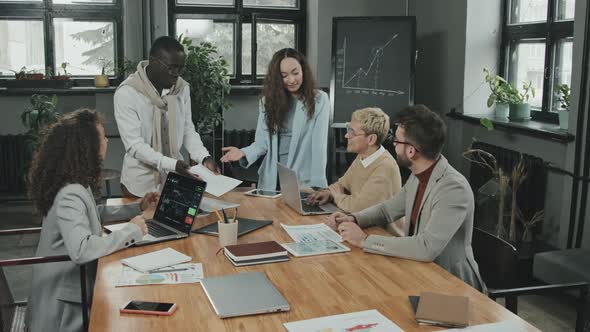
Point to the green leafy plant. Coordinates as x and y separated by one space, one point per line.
207 74
563 96
125 67
499 87
42 112
107 66
516 97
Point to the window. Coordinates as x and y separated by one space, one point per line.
39 36
537 47
246 32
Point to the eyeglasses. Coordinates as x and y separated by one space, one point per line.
172 69
395 142
350 131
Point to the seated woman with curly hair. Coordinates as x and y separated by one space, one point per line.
64 176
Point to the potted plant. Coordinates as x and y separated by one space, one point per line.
520 109
499 93
102 80
42 112
563 92
207 74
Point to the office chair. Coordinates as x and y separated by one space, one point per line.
12 314
498 265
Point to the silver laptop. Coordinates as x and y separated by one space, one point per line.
297 199
243 294
176 210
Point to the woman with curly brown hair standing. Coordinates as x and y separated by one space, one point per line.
65 173
292 124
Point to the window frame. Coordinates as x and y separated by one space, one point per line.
551 32
243 15
47 11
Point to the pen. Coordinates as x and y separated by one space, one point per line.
218 214
171 270
224 216
235 215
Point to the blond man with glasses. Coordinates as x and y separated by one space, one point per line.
373 176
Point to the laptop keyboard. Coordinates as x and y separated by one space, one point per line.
157 230
303 195
310 208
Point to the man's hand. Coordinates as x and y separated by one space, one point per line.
232 154
336 188
182 168
150 200
352 233
140 221
211 165
337 218
319 197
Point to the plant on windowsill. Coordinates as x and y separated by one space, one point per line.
41 113
102 80
519 108
563 97
207 74
499 94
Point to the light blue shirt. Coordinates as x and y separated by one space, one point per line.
308 148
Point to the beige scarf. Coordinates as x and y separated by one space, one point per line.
164 105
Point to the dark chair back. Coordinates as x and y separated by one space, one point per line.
7 306
497 260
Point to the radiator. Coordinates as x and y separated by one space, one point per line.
241 138
238 138
531 194
12 164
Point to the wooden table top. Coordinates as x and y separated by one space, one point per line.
314 286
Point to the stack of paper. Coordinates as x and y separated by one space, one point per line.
210 204
217 185
309 233
370 320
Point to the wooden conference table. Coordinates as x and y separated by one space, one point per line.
314 286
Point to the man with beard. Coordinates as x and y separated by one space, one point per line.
153 114
437 202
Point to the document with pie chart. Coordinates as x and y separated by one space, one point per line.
176 274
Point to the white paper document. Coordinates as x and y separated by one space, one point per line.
217 185
370 320
175 274
505 326
307 233
322 247
156 260
209 204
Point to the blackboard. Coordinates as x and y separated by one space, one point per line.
373 62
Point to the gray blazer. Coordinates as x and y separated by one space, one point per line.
445 224
73 227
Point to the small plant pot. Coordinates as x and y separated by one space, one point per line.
519 112
501 111
101 81
564 117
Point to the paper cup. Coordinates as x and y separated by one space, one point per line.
228 233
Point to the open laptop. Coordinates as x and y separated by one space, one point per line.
297 199
176 210
243 294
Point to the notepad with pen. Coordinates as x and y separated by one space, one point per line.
442 310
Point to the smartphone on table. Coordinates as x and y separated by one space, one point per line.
149 308
263 193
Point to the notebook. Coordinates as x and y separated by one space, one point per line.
274 259
443 310
243 294
156 260
257 250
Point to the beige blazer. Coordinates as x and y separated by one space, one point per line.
73 227
445 224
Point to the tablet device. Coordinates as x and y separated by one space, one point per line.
263 193
245 226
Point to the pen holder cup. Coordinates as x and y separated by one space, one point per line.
228 233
